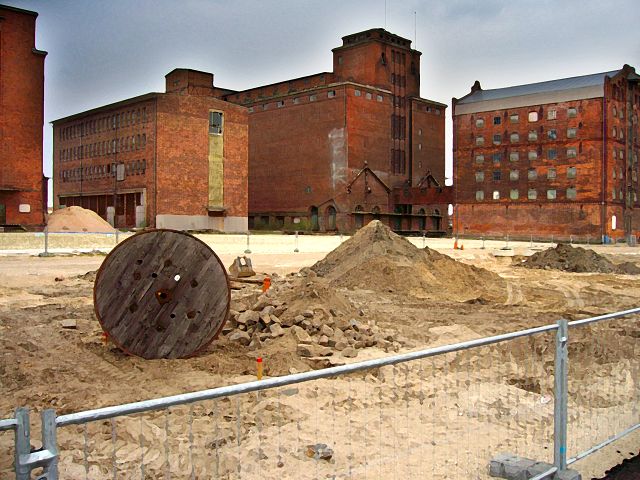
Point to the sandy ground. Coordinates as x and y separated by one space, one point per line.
441 418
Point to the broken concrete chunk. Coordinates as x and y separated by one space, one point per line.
248 318
69 323
307 314
326 330
349 352
301 335
276 330
240 337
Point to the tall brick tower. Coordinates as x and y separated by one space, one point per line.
23 191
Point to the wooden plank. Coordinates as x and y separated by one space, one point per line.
162 294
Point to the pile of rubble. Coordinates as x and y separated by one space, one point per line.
318 331
577 259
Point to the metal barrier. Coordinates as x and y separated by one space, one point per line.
441 413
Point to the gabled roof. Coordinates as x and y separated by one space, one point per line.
552 91
596 79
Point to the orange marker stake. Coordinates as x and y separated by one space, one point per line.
105 338
266 283
259 367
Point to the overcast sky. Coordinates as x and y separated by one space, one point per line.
102 51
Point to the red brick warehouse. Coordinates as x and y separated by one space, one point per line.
23 189
557 158
334 150
168 160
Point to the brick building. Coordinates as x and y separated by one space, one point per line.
23 189
557 158
333 150
168 160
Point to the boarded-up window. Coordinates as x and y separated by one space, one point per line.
572 112
480 195
514 175
514 194
571 152
496 195
571 193
514 156
572 132
532 174
551 194
551 173
479 176
215 123
572 172
480 122
532 194
479 158
514 138
533 116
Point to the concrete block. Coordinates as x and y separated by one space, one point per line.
538 468
568 475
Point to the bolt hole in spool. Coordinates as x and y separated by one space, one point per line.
141 312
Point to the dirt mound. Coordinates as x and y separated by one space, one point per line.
576 259
77 219
377 259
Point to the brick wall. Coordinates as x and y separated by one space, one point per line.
21 118
183 142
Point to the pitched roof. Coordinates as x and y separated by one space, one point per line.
595 79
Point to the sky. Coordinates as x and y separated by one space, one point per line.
103 51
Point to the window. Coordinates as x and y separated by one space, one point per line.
331 93
497 157
514 138
419 146
514 175
571 152
497 120
571 193
615 153
621 134
480 195
479 158
532 174
551 173
497 175
479 140
419 131
357 93
551 115
614 132
313 98
280 103
296 100
614 176
621 114
532 155
552 154
533 135
572 112
514 118
514 194
379 98
368 96
497 139
514 156
480 122
552 134
533 116
572 172
572 132
551 194
250 109
479 176
496 195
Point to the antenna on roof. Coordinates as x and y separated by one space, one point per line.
385 14
415 30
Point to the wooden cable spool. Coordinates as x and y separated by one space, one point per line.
162 294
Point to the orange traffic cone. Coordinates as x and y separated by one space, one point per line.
266 283
462 246
455 244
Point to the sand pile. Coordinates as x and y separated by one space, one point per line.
77 219
576 259
377 259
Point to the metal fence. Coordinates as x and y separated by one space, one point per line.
438 413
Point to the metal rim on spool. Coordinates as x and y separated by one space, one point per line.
162 294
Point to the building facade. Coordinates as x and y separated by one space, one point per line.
331 151
168 160
23 189
552 159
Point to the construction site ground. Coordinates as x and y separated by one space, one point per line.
46 366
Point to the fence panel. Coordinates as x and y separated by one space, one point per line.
604 388
442 416
7 441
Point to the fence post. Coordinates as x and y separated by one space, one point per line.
46 240
560 397
46 457
50 443
22 443
296 250
248 249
